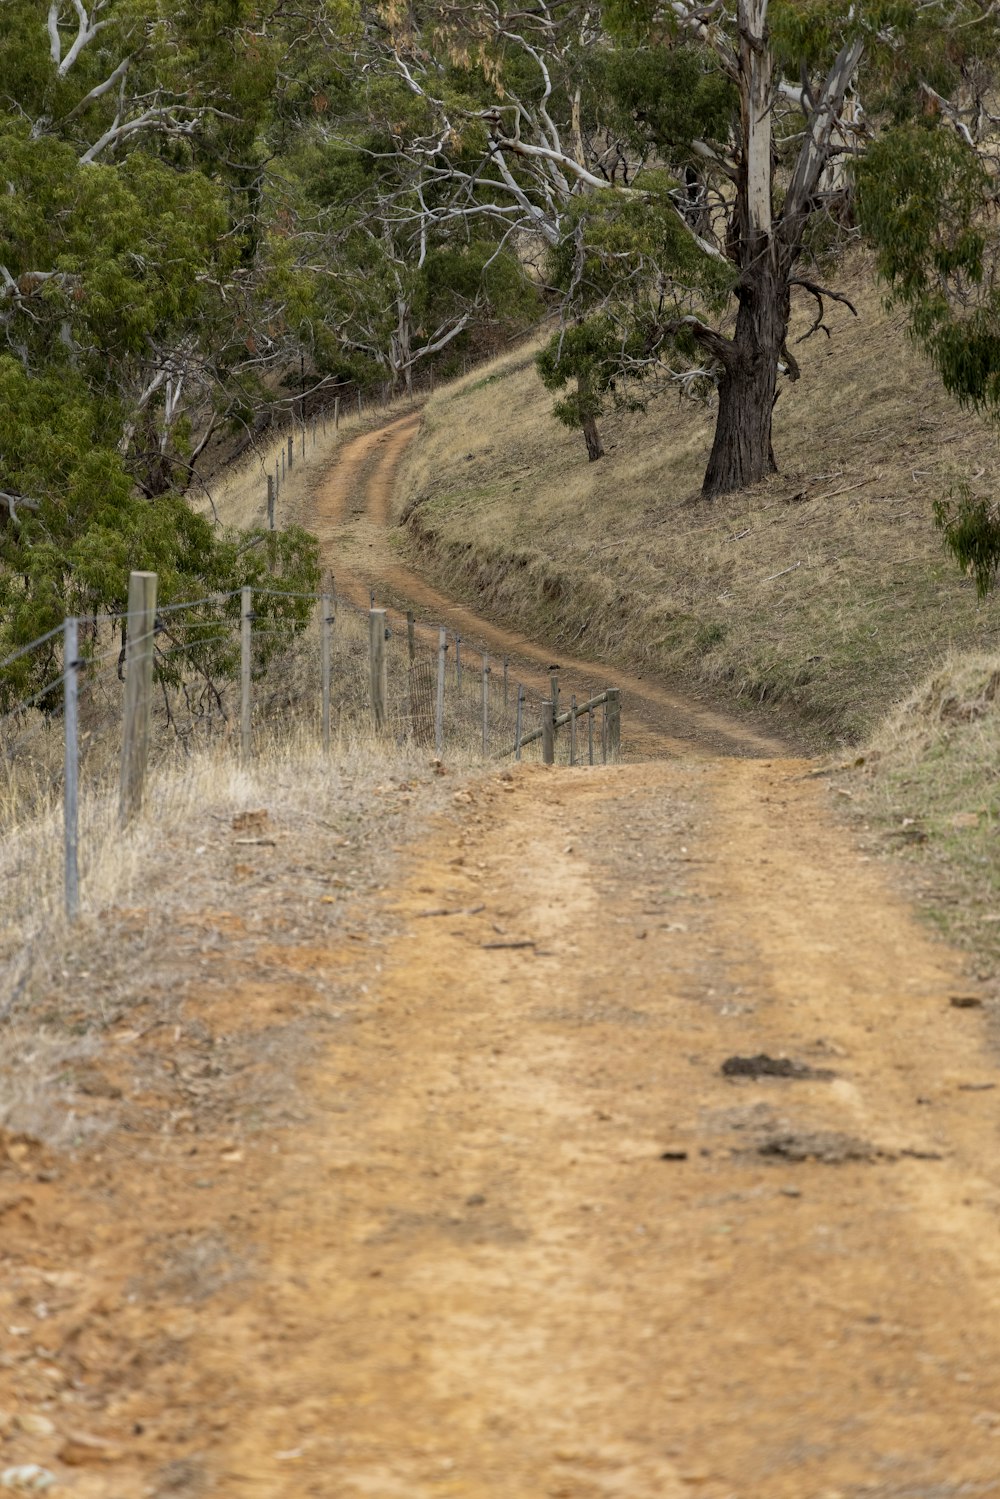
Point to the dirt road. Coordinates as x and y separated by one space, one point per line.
549 1248
646 1155
350 513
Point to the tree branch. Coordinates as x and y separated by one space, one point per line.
815 151
716 343
819 292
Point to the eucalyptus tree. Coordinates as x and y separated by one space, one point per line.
140 295
811 87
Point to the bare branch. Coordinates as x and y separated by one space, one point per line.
815 151
819 292
100 89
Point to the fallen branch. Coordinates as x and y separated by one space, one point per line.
784 570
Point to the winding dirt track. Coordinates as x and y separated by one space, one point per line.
351 516
537 1232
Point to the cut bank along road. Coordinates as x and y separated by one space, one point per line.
350 512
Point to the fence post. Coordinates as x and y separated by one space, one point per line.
614 718
325 640
336 413
548 732
439 704
277 483
291 450
378 667
486 704
554 689
282 462
518 722
324 421
572 730
71 782
458 660
506 665
246 640
141 625
604 732
270 503
303 437
590 737
411 637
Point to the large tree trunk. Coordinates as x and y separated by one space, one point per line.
742 453
595 447
588 406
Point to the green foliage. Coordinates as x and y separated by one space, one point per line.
923 198
624 264
664 97
971 530
920 196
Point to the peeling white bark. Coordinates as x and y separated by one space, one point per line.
755 111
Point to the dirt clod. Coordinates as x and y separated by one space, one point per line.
764 1066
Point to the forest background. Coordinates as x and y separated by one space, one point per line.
216 215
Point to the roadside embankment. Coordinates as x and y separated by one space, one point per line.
823 596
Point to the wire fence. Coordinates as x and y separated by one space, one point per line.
238 671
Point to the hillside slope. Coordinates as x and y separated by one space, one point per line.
824 593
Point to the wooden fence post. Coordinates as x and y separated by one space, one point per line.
613 713
324 421
439 705
291 450
379 668
282 462
604 733
548 732
572 730
277 482
411 637
518 722
71 780
506 666
554 689
336 413
486 704
141 626
303 437
325 642
246 641
590 737
270 503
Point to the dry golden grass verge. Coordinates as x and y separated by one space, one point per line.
926 785
822 596
295 845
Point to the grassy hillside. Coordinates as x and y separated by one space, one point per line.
824 593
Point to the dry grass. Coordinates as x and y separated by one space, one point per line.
824 593
323 838
927 785
236 495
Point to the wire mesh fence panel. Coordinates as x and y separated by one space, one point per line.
422 686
